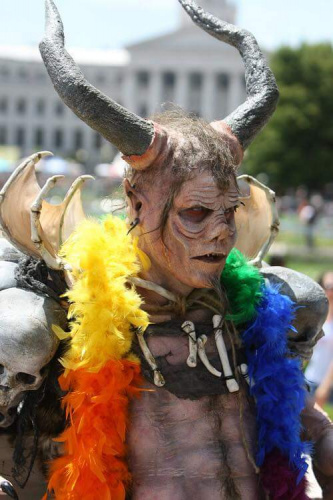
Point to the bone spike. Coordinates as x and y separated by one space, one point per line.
243 370
36 236
203 356
68 198
158 377
32 159
274 229
231 383
189 328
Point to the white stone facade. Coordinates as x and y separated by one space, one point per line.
187 67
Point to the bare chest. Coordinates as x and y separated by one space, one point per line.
181 449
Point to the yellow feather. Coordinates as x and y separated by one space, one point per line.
104 309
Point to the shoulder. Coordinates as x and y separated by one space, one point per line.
311 307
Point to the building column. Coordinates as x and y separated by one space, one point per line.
235 92
181 91
155 93
128 96
208 96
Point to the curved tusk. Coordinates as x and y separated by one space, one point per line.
189 328
36 237
231 382
131 134
68 198
261 88
203 356
158 377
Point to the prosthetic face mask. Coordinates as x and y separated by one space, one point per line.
191 240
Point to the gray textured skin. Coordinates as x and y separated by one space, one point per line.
7 275
262 92
312 307
27 344
8 252
131 134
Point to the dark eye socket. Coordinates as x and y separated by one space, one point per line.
194 214
25 378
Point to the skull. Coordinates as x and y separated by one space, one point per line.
27 344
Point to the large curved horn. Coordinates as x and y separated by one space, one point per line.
131 134
262 92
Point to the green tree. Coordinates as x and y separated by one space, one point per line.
297 145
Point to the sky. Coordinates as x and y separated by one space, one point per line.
109 24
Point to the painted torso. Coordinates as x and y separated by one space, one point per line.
182 448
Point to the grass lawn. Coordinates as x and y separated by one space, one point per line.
309 266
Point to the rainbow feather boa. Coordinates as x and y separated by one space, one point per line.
101 375
277 382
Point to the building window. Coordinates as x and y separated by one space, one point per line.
3 105
22 74
195 93
4 73
20 137
59 108
40 107
97 140
78 139
168 86
222 89
143 110
100 78
3 135
142 79
21 106
39 137
58 138
222 81
40 76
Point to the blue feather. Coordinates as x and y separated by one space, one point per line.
277 381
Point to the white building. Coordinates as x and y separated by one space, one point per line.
187 67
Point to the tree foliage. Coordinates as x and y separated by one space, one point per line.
297 146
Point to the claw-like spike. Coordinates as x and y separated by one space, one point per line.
25 173
37 235
258 217
203 356
77 184
158 377
8 488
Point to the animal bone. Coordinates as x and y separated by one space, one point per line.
243 370
203 356
231 383
158 377
189 328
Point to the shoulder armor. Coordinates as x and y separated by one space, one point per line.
8 252
311 307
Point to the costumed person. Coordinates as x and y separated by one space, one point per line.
319 371
183 365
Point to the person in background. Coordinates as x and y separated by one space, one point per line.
320 369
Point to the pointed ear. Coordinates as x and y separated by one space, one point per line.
134 199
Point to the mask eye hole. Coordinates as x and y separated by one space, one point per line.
25 378
194 214
1 369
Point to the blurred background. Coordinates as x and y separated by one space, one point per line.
146 54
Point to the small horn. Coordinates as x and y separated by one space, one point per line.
262 92
131 134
